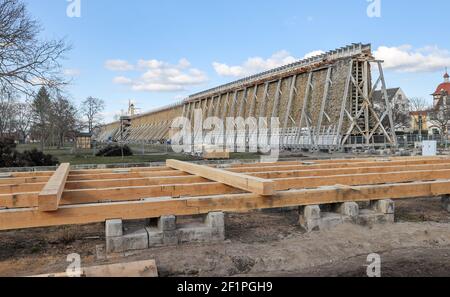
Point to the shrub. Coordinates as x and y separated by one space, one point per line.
9 157
115 151
35 158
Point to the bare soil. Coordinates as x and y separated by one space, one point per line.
257 244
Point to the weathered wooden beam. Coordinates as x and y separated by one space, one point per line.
244 182
50 196
95 213
132 269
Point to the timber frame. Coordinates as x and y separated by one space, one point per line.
180 188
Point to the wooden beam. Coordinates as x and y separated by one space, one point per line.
314 166
71 197
50 196
244 182
132 269
344 171
96 213
338 161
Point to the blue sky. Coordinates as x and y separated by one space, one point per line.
157 52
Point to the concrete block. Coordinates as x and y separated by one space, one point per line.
384 206
114 245
350 209
170 238
215 220
167 223
135 241
370 218
195 235
330 220
446 203
114 228
155 237
310 218
310 212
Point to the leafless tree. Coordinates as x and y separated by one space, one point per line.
25 60
63 118
418 104
7 110
91 109
23 120
440 115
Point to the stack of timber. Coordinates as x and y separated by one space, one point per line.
73 197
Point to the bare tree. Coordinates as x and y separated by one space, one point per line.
7 110
440 115
91 109
64 119
26 61
418 104
23 120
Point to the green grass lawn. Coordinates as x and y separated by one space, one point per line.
86 157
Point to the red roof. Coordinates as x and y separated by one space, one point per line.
443 86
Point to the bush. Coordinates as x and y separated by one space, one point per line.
115 151
9 157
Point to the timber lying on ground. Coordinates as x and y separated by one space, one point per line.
187 189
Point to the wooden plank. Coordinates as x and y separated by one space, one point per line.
343 171
23 180
337 161
50 196
132 269
312 167
82 177
96 213
71 197
244 182
80 196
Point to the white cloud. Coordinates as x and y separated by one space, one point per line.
122 80
160 76
313 53
118 65
257 64
72 72
407 59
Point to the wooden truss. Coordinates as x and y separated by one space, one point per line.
91 196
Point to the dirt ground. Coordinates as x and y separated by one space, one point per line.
257 244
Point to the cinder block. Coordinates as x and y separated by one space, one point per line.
446 203
113 228
350 209
215 220
384 206
167 223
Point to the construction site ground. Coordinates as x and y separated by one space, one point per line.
257 244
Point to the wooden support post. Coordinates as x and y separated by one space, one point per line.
50 196
244 182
